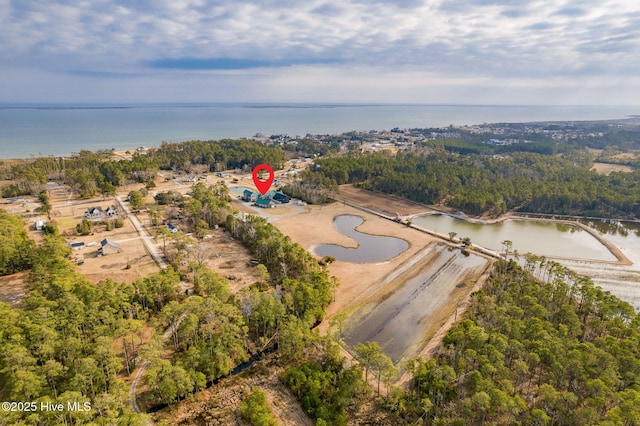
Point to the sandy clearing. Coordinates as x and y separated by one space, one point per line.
315 226
608 168
13 288
387 204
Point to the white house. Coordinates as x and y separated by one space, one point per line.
111 212
94 213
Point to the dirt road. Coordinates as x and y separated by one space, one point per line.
149 245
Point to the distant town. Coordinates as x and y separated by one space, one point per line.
487 133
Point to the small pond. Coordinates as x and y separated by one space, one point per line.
371 248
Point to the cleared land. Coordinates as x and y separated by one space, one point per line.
608 168
401 313
401 302
387 204
13 288
96 268
315 226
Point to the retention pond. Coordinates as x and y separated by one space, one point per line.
371 248
551 239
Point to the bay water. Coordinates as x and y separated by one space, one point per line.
36 130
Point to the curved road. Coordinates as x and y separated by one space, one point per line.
151 248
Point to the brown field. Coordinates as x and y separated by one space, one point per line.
607 168
230 259
387 204
13 288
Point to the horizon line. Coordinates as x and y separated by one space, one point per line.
99 105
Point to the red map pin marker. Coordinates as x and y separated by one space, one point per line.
263 185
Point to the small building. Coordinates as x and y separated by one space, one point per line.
111 212
172 228
94 213
39 225
265 203
76 245
249 195
108 246
281 197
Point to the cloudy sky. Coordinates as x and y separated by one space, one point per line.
403 51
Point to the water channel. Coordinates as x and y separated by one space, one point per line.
371 248
549 239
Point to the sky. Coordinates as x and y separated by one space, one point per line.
474 52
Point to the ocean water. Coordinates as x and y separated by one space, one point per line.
34 130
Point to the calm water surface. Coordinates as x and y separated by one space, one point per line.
63 129
371 248
542 238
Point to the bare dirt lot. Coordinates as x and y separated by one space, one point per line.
13 288
387 204
230 259
608 168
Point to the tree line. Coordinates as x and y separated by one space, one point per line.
478 184
90 173
16 248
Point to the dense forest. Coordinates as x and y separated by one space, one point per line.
16 248
59 346
478 184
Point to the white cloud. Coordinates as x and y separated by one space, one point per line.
475 45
